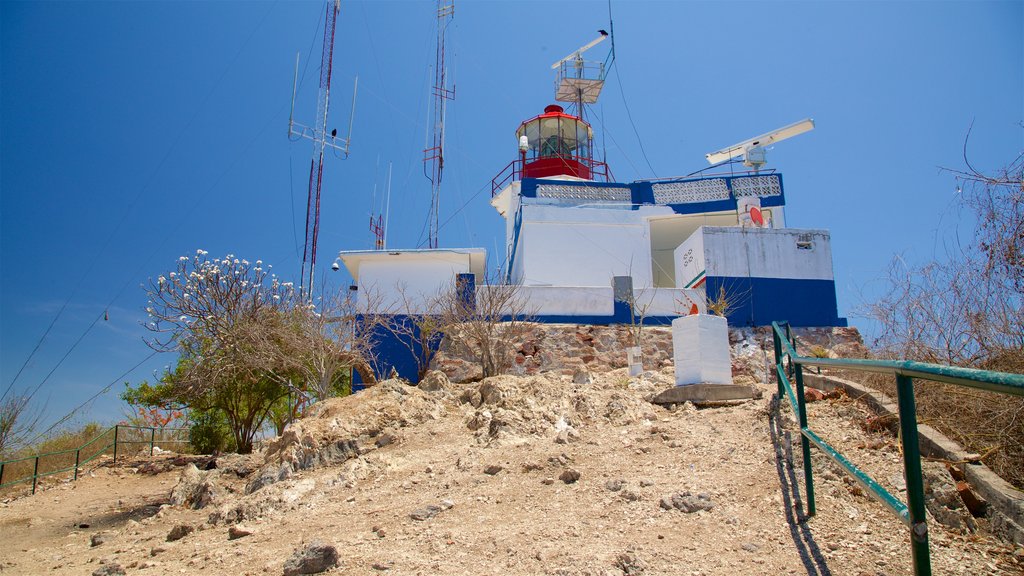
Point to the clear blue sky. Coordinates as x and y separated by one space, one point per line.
135 132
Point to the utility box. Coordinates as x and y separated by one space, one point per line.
700 350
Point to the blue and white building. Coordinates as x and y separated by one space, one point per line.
587 249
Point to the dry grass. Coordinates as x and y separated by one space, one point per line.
57 454
987 423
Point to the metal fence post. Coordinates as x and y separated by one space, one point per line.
152 440
913 476
78 453
805 444
115 441
778 364
35 475
1 474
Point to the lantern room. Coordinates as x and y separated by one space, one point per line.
556 144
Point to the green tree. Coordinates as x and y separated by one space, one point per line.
248 342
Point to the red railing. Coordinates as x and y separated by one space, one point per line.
514 170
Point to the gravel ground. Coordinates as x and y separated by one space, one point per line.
514 475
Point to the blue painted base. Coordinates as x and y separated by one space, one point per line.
396 352
761 301
758 302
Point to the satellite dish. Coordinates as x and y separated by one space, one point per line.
756 217
753 150
579 52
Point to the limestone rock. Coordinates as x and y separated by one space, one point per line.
196 489
435 381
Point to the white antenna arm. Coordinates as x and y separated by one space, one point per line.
763 140
295 83
579 52
352 115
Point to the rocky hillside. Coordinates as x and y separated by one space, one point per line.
569 471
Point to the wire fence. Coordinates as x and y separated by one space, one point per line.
117 441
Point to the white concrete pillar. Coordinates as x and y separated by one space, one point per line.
700 350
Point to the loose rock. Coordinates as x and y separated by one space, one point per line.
425 513
236 532
614 485
630 564
316 557
686 502
629 496
385 439
109 570
569 476
179 532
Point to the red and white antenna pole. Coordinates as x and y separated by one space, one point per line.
433 157
321 140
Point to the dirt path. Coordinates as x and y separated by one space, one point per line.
522 518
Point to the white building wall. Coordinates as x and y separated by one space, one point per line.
563 300
585 246
754 252
421 280
669 301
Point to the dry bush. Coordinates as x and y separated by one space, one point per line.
17 423
965 309
488 324
416 322
985 423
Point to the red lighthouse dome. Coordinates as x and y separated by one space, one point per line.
556 144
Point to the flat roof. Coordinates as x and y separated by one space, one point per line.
477 258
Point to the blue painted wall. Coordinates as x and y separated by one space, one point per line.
760 301
394 351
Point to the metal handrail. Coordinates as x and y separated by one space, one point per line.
599 170
36 475
912 513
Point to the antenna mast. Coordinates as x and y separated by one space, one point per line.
379 223
433 157
321 140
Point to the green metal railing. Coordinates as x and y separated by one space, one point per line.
61 461
913 512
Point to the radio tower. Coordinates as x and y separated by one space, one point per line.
433 157
321 140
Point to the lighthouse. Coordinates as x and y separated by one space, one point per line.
584 248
